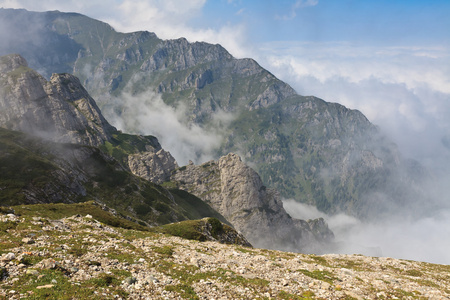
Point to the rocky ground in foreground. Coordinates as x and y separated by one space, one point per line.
79 257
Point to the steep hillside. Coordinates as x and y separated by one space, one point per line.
38 171
56 159
310 150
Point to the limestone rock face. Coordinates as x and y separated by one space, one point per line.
155 166
59 110
236 191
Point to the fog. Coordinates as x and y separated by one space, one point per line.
403 90
423 239
147 114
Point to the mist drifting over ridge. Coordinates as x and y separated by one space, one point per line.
146 113
404 237
404 91
412 110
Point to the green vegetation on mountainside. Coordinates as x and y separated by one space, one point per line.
123 144
34 171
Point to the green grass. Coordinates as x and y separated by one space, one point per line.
165 251
28 163
193 229
185 291
62 288
306 295
185 229
320 275
320 260
123 144
61 210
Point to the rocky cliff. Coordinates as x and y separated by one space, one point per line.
237 192
61 110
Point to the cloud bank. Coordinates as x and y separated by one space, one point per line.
423 239
403 90
147 114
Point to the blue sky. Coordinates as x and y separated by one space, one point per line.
363 22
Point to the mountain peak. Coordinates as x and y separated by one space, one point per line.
60 110
11 62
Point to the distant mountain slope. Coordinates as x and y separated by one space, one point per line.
313 151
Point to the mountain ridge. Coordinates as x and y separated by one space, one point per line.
313 151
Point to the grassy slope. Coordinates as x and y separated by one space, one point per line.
31 166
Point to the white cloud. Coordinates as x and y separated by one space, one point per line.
419 239
404 90
146 113
297 5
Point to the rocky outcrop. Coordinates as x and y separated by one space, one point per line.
237 192
59 110
153 166
206 229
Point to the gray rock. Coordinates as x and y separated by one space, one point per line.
32 272
237 192
32 104
130 280
47 264
153 166
28 240
8 257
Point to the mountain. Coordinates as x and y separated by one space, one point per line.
310 150
70 153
